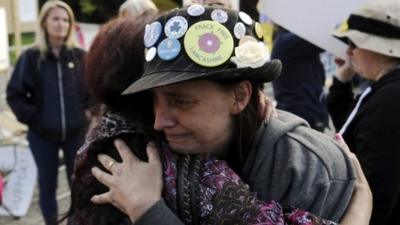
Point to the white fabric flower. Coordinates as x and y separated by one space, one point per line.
252 54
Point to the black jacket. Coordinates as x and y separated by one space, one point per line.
48 94
299 88
373 136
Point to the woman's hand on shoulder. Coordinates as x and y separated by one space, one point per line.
134 185
359 210
268 107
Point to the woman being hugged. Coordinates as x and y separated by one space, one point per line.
46 92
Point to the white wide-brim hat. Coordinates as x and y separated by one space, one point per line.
375 27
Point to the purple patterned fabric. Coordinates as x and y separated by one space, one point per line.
223 198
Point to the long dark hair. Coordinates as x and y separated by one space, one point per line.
246 125
114 61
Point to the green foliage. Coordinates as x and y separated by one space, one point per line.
165 4
26 39
87 7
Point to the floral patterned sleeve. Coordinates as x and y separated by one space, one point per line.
204 190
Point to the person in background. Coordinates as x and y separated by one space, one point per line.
1 187
205 81
135 7
47 93
371 128
299 88
224 3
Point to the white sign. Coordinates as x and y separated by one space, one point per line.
28 10
313 20
17 162
4 54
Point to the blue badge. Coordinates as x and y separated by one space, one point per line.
176 27
168 49
152 33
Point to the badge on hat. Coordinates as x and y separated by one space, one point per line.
343 27
152 33
239 30
219 15
208 43
258 29
196 10
176 27
245 18
150 54
168 49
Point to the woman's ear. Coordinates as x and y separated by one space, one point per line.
242 93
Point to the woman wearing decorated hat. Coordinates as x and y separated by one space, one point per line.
204 69
371 128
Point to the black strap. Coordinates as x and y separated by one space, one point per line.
373 26
183 189
195 166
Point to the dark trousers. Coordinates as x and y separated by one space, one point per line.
45 154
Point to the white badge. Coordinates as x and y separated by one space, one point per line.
176 27
239 30
219 15
196 10
245 18
152 33
150 54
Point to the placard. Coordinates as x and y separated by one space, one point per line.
313 20
17 161
28 11
27 14
4 48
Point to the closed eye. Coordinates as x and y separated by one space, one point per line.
181 103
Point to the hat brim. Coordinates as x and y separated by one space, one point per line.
266 73
385 46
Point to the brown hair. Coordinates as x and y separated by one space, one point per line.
246 125
115 60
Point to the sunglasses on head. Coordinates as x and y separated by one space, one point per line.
351 44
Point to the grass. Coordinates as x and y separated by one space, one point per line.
26 39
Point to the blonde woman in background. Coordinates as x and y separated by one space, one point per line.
46 92
136 7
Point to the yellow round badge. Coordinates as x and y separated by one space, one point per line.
259 30
208 43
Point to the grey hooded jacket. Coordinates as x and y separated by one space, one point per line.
293 165
298 166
